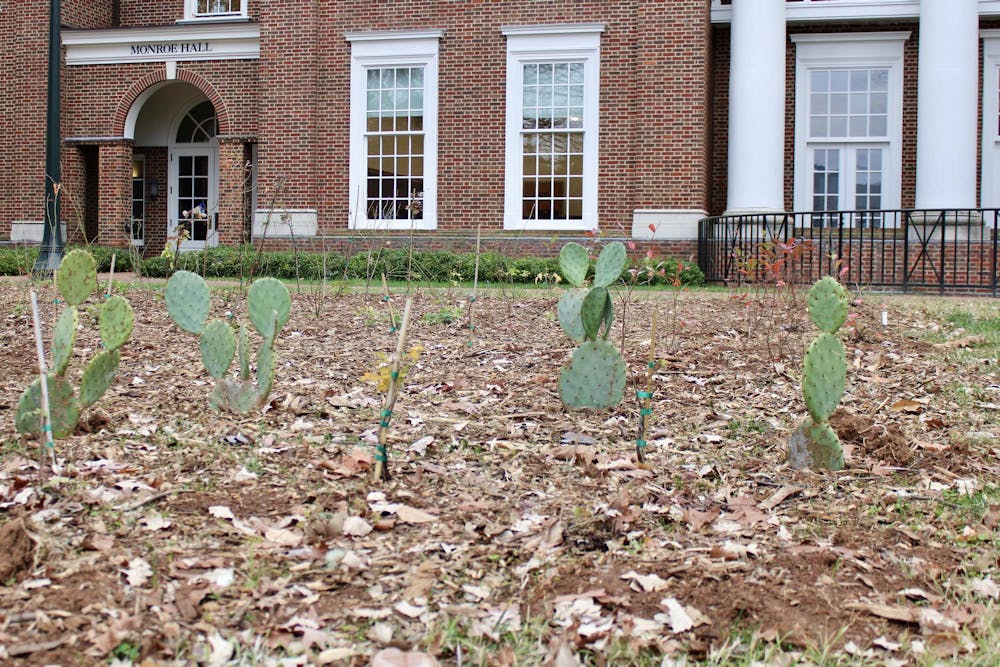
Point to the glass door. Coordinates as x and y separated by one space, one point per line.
193 193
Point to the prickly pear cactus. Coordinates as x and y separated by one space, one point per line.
595 375
75 280
268 305
814 444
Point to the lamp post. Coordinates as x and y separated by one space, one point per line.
52 242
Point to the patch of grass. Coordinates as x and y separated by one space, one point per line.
443 315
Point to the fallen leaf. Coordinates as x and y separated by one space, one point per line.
221 512
906 405
393 657
355 526
138 573
697 520
650 583
680 621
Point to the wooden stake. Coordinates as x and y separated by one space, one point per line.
646 397
382 452
47 443
111 276
475 285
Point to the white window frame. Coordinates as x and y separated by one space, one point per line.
550 43
388 49
191 12
990 190
865 50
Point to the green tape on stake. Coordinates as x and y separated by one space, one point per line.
472 299
47 428
641 444
384 423
652 365
386 413
644 394
381 454
394 375
645 412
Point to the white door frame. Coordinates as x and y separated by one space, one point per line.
211 151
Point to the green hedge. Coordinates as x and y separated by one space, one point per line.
439 266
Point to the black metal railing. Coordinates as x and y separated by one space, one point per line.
950 250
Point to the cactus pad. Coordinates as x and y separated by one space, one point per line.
594 377
188 301
568 310
574 262
218 345
823 376
63 408
76 277
815 446
610 264
827 304
115 322
593 310
98 376
244 356
265 370
63 339
266 297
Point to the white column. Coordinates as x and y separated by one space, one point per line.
947 104
757 107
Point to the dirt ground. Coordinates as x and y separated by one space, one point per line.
176 535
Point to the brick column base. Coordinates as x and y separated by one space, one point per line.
231 224
114 193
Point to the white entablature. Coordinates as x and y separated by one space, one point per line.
847 10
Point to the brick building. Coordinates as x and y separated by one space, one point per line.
313 119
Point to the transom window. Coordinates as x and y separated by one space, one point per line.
553 79
394 143
394 129
199 125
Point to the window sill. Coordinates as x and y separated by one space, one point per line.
213 19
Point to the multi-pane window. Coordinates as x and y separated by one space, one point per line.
137 223
393 173
394 143
848 137
553 77
848 126
552 141
849 103
216 8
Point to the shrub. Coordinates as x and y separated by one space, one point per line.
17 260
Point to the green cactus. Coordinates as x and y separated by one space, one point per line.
75 279
269 306
574 263
815 444
568 310
595 375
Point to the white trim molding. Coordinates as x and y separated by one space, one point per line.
849 10
388 49
202 41
574 45
876 50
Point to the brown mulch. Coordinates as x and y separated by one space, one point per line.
180 531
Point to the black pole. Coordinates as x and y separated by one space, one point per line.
52 242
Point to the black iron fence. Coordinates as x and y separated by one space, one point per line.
952 250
